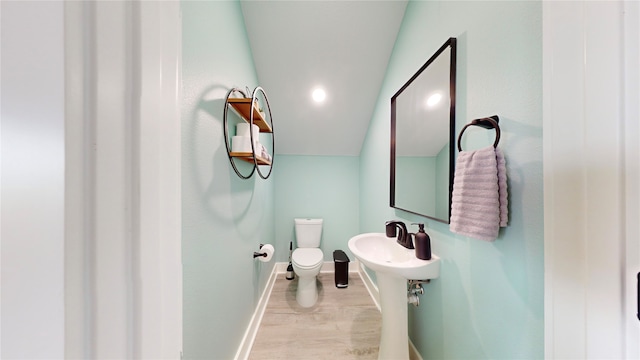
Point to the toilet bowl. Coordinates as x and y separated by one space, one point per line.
307 260
307 264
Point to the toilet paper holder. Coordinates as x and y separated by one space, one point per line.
257 254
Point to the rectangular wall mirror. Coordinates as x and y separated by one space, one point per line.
423 138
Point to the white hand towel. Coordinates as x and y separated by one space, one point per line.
479 201
502 188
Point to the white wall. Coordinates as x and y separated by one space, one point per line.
32 100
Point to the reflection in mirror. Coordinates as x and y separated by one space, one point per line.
422 138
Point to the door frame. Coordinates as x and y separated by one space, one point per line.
591 180
123 270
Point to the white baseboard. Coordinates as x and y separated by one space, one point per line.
369 284
281 267
252 330
327 267
413 352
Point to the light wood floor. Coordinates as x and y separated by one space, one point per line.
343 324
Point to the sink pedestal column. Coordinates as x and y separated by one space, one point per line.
394 338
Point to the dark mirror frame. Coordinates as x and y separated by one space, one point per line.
451 42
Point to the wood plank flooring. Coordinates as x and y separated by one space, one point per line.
343 324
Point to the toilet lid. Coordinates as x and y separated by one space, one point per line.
307 257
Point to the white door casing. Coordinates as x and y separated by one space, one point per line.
590 130
123 272
631 46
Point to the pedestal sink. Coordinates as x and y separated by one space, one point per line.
393 265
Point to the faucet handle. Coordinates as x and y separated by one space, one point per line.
390 228
410 241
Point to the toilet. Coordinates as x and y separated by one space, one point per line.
307 259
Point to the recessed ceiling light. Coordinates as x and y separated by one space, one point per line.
434 99
318 95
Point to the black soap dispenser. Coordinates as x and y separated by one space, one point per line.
422 243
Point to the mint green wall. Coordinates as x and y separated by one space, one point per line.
224 218
422 180
317 187
442 183
488 301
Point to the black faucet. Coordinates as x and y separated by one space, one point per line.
404 237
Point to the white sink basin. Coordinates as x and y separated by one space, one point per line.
384 255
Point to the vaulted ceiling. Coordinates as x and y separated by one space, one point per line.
342 47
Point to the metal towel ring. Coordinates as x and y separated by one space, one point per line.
487 123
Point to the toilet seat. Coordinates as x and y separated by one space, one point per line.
306 258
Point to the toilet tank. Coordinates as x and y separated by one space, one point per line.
308 232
